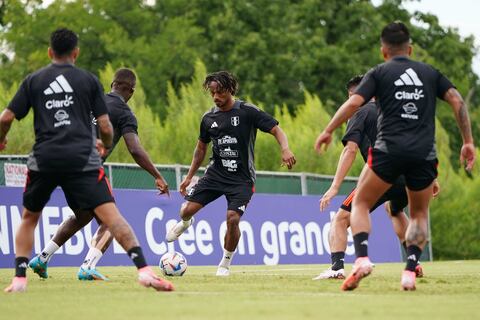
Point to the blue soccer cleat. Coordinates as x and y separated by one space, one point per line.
39 267
90 274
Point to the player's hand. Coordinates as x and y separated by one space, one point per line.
468 155
324 139
288 158
3 144
183 186
101 148
162 186
327 197
436 188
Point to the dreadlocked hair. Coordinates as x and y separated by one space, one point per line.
225 80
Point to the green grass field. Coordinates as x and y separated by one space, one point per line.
450 290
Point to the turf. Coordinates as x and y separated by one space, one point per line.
450 290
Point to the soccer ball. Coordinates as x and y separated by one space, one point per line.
173 264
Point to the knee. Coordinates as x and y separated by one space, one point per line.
341 219
188 209
30 218
233 219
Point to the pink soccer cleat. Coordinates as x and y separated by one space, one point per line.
148 278
408 280
362 268
419 271
19 284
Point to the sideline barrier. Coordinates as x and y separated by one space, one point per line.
276 229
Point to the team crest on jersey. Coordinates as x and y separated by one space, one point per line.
235 121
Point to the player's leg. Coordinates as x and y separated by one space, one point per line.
337 238
92 190
123 233
400 224
204 192
101 240
64 232
369 189
36 194
419 178
23 247
232 236
238 197
187 211
417 233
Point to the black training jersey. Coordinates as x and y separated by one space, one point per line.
406 93
63 98
362 128
233 136
121 116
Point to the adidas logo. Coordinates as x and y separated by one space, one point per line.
23 265
412 257
133 255
242 208
408 78
214 125
59 85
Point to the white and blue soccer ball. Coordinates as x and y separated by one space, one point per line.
173 264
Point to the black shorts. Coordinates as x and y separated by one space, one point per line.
397 195
419 174
83 190
207 190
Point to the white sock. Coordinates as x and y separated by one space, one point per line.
93 256
48 251
227 259
186 223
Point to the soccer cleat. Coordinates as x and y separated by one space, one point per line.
419 271
147 278
331 274
408 280
39 267
19 284
223 272
90 274
177 230
361 269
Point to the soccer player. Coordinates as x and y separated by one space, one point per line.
124 125
64 98
231 126
406 93
361 134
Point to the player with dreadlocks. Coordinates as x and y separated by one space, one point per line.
231 125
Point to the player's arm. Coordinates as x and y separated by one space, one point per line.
6 119
467 154
198 157
142 158
288 158
343 113
105 130
347 157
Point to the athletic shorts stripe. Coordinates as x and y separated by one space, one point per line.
349 199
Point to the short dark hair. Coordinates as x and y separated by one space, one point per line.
63 41
355 81
124 75
395 34
226 81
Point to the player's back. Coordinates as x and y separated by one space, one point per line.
63 98
406 93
